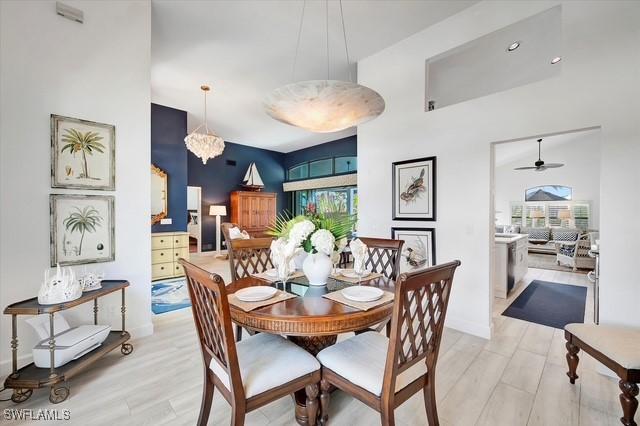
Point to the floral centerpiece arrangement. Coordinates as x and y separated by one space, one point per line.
322 236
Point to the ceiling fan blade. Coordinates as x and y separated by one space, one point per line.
541 168
553 165
525 168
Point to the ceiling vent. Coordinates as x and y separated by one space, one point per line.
69 12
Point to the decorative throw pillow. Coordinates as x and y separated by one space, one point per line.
235 233
567 250
565 235
539 234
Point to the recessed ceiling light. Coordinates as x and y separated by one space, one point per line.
513 46
556 60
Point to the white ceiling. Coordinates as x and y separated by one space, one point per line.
525 152
245 48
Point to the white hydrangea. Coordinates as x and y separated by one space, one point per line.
300 231
323 241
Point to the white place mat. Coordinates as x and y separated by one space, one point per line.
371 276
337 296
263 276
250 306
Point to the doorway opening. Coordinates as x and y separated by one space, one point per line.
545 206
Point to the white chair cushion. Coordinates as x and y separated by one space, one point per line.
361 360
621 344
267 361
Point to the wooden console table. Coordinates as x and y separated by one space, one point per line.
30 377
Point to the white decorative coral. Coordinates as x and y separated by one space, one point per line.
63 287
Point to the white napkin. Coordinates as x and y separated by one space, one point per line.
282 254
359 253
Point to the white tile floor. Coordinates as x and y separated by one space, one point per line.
516 378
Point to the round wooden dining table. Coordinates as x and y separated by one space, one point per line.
310 320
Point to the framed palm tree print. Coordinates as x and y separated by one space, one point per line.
414 189
82 154
82 229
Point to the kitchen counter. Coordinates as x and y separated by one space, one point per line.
509 238
510 262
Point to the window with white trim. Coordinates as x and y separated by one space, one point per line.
552 214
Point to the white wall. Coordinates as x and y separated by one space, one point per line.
581 171
598 86
98 71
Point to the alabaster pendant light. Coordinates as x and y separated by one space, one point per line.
204 145
324 106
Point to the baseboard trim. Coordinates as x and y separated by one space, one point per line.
469 327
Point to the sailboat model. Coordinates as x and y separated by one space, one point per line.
252 180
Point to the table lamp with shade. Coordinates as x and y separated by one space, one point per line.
217 211
536 214
564 215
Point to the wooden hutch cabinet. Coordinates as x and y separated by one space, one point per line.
254 212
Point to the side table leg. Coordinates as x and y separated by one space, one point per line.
126 348
14 346
95 311
52 349
123 309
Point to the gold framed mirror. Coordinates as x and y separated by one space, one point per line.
159 194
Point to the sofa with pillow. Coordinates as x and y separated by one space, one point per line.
542 240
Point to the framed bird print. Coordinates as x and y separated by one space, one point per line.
414 189
419 248
82 154
82 229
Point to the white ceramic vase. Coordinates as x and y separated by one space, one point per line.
317 268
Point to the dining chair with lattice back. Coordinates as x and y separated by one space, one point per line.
251 373
385 372
383 256
224 228
248 257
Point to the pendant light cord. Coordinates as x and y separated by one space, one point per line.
206 127
326 14
346 47
295 58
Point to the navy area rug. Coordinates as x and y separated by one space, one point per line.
548 303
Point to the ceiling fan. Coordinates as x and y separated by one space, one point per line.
540 166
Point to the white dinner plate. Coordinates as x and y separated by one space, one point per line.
271 273
256 294
350 273
362 294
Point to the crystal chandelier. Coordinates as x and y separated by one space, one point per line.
324 106
204 145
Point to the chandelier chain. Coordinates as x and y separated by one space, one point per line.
295 58
206 127
326 14
346 46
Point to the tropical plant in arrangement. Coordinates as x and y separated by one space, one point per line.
83 143
314 231
86 220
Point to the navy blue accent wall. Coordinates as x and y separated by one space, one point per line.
168 152
338 148
218 179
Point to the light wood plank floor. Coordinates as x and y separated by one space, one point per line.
517 378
